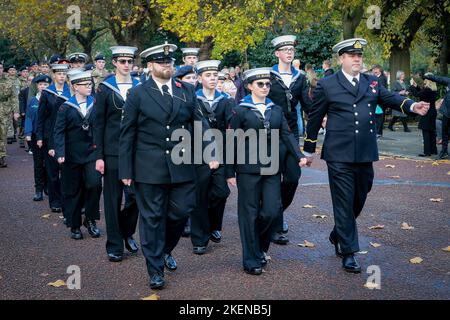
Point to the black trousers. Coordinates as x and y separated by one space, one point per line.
163 211
445 132
259 204
211 196
429 141
291 173
402 120
349 185
52 170
81 187
38 164
379 123
120 224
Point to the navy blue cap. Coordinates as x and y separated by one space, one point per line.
55 58
42 78
184 70
89 67
23 68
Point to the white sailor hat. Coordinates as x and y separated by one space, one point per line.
257 73
222 76
190 51
80 77
207 65
78 56
162 52
123 51
354 45
282 41
60 67
74 71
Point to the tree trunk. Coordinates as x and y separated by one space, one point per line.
206 49
351 19
444 54
400 59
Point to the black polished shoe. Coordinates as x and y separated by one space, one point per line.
75 233
216 236
285 227
56 210
280 238
424 155
253 271
91 226
442 155
3 162
115 257
407 130
350 264
131 245
156 281
199 249
38 196
170 262
391 128
337 247
187 231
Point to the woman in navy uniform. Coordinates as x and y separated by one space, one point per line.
165 191
74 149
349 99
289 88
51 99
109 101
259 193
31 121
212 188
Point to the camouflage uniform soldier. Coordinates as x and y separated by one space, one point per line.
12 123
9 103
100 73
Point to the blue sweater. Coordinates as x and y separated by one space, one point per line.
31 119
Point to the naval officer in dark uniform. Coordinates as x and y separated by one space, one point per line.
109 100
349 99
288 88
165 191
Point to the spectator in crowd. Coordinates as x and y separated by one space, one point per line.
399 86
327 70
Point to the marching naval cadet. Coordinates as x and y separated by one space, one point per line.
52 98
349 99
165 191
109 102
77 60
259 193
289 87
212 188
75 150
31 121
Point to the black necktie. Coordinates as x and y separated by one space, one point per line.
167 98
355 81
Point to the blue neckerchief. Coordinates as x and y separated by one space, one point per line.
295 73
226 95
89 105
217 97
66 91
111 83
248 102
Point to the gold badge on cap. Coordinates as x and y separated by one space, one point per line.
166 50
357 45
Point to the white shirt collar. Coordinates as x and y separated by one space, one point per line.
169 84
350 77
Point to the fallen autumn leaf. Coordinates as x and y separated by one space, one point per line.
389 166
378 226
45 216
321 216
371 285
416 260
446 249
57 284
152 297
362 252
307 244
436 200
309 206
406 226
375 245
394 177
